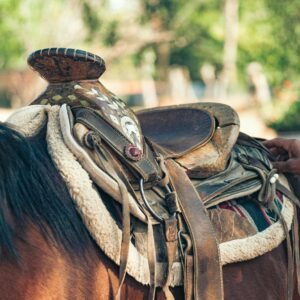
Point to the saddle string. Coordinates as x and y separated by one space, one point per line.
295 229
112 168
268 178
266 197
290 252
171 235
151 255
120 177
93 141
267 193
295 235
171 224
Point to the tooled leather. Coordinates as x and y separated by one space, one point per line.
146 167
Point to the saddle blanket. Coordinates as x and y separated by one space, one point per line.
258 216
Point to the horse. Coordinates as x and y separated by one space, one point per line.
64 161
47 252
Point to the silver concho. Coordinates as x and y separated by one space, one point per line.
131 131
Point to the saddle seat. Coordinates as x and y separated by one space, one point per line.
199 136
178 130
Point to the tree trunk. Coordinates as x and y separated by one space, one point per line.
231 10
163 60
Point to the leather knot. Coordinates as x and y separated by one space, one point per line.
91 139
172 203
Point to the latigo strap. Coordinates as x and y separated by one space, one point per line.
207 282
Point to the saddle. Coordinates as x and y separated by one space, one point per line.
163 166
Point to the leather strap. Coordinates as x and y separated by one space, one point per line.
151 255
290 254
295 235
295 232
171 234
146 167
281 188
207 278
112 168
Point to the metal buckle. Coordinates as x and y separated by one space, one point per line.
181 246
152 212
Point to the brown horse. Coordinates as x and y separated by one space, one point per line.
47 253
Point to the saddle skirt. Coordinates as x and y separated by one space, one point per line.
104 151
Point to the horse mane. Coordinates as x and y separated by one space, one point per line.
32 192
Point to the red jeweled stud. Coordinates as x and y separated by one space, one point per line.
133 152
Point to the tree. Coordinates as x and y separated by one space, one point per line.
10 42
231 12
269 34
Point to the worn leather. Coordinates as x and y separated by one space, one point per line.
201 157
63 64
229 226
241 176
178 130
146 167
207 277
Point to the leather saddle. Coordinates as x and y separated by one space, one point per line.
198 136
166 162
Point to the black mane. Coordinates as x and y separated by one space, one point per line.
33 192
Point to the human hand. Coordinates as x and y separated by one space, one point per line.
287 153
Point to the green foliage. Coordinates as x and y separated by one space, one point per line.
286 30
10 42
5 100
196 27
27 25
111 35
199 37
268 31
290 121
162 12
91 19
100 27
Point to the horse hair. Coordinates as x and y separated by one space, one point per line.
33 192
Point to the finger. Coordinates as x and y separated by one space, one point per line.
283 157
277 143
281 166
294 148
289 166
277 151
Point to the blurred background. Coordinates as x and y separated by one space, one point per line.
162 52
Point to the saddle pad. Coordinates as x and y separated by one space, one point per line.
242 217
101 224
